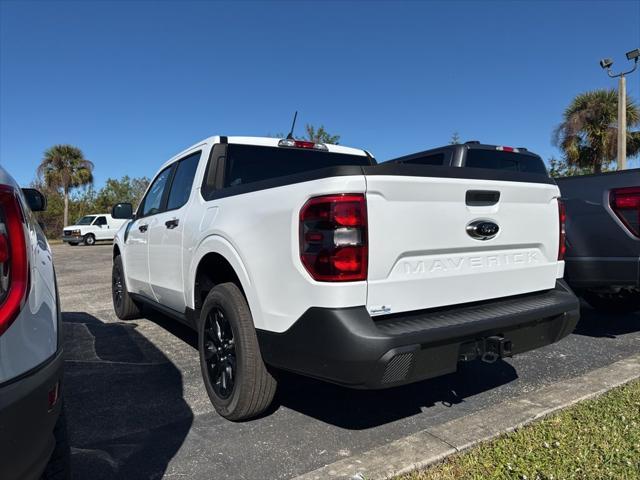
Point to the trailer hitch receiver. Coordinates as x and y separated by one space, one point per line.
494 348
488 349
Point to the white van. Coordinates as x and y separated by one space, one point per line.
91 229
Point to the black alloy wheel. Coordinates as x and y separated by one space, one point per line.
220 353
117 288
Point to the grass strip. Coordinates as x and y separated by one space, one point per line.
596 439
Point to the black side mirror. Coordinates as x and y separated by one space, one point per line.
122 211
35 199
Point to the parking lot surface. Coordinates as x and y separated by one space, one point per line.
137 408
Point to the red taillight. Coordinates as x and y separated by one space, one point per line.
562 216
333 237
507 149
14 270
625 203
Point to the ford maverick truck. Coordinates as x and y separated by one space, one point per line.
292 255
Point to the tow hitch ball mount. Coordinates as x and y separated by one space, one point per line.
487 349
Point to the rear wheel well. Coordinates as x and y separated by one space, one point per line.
213 270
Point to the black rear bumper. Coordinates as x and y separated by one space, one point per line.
602 272
27 423
348 347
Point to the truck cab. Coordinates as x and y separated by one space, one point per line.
474 154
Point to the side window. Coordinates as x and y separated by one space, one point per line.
101 221
183 181
152 202
213 173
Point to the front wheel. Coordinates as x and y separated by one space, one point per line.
89 240
235 377
622 301
123 304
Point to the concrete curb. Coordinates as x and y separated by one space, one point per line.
434 444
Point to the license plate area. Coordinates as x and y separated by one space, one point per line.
489 349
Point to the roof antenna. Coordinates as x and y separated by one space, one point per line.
293 125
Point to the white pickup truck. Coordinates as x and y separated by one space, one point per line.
91 229
285 254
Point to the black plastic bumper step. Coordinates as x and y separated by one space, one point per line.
475 317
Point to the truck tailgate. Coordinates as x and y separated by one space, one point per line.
421 255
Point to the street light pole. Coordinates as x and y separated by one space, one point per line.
622 103
622 123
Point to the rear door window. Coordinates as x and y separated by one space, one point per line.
183 181
499 160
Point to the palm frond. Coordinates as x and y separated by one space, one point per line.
588 132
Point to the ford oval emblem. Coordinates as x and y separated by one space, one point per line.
482 229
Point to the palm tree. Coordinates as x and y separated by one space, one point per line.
588 132
65 168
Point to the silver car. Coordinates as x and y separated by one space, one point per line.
33 438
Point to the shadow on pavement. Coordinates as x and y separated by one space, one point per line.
358 409
185 333
361 409
124 400
606 325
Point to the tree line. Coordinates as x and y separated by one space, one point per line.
586 137
81 197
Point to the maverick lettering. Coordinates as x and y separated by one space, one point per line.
449 264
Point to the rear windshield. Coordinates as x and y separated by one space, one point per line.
250 163
498 160
434 159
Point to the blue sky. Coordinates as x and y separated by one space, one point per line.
132 83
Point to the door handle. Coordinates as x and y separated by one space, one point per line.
143 228
170 224
482 198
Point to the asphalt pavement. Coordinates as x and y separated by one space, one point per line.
137 408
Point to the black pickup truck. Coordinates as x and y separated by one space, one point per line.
474 154
603 238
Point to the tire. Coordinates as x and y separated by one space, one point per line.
89 240
235 377
59 466
623 301
124 306
73 244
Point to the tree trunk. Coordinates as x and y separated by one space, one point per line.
597 165
66 207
